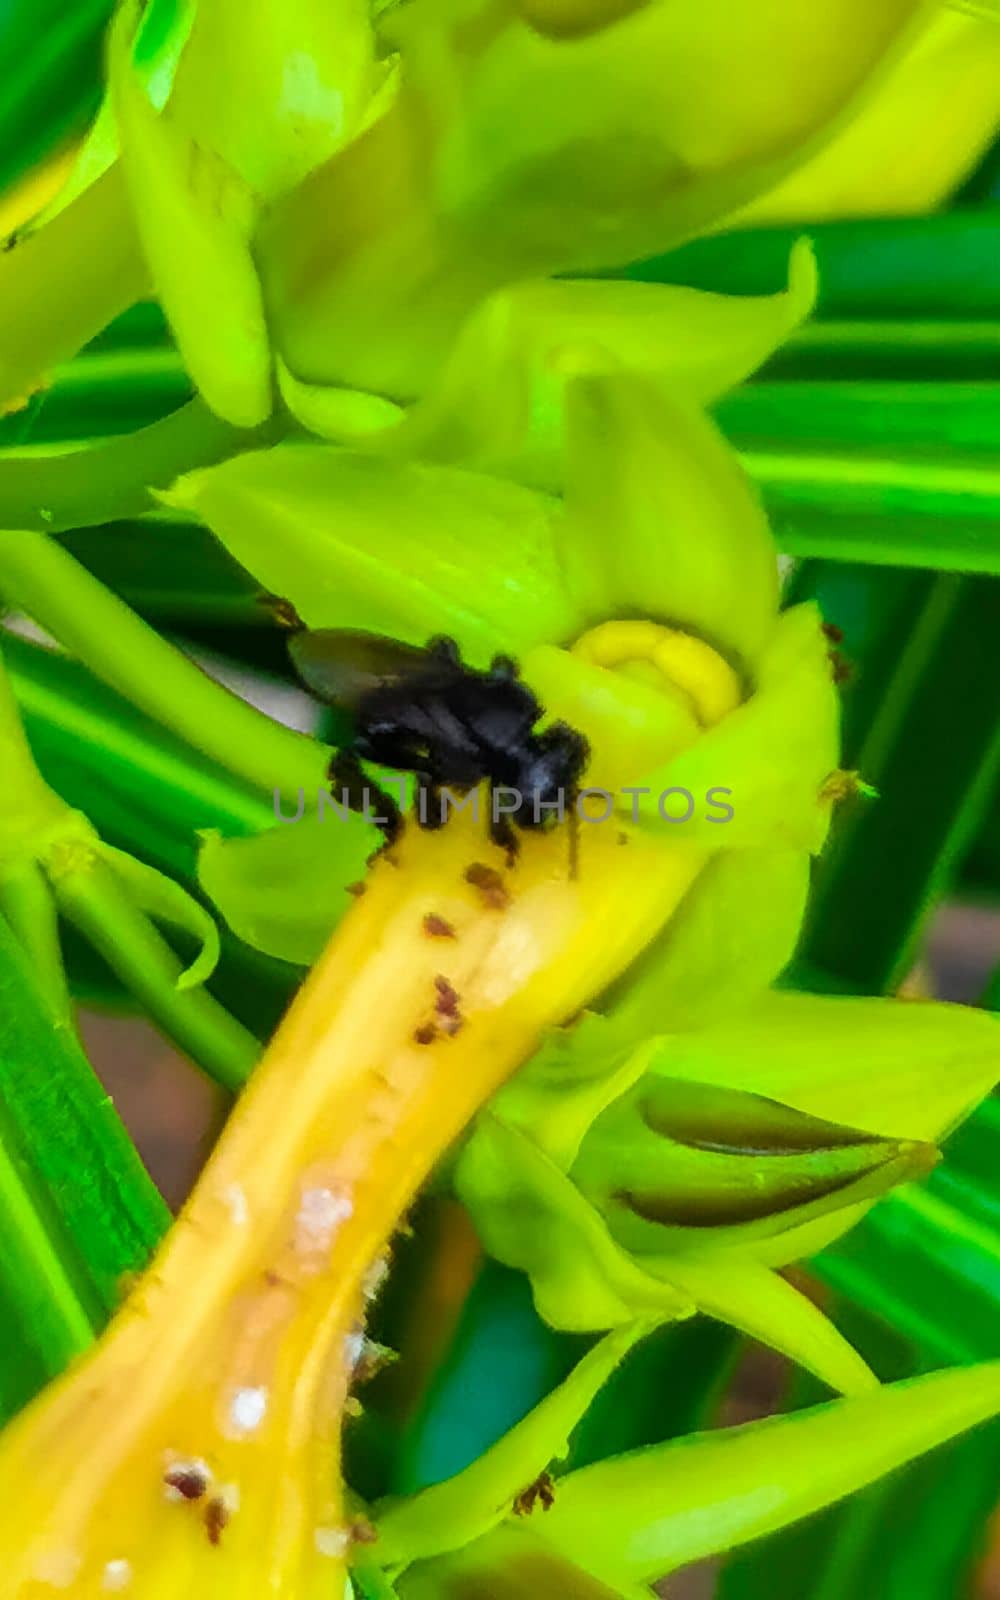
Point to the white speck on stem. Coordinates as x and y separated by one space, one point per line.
332 1541
235 1201
247 1410
374 1278
117 1576
354 1348
320 1213
57 1568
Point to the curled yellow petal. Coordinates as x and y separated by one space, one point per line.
683 660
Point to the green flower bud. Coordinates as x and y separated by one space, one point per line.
674 1161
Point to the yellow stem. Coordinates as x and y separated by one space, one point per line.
234 1357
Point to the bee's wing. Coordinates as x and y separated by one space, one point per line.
341 665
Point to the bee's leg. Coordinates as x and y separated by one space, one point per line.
504 669
445 649
350 781
503 832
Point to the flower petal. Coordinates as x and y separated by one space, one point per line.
283 891
389 546
769 758
194 214
453 1513
661 520
636 1517
499 404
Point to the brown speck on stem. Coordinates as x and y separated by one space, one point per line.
188 1480
840 666
540 1493
425 1034
216 1519
436 927
493 892
446 1005
361 1531
356 889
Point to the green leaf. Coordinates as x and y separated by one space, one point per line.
194 216
890 509
926 1267
389 546
158 45
54 52
897 347
284 891
927 736
867 1543
643 1515
864 418
903 268
78 1210
451 1514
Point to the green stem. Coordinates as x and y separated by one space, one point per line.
90 896
44 580
90 485
26 902
26 801
28 807
32 1260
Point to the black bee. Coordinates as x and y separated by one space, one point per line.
425 711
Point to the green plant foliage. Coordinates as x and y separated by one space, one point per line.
333 305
